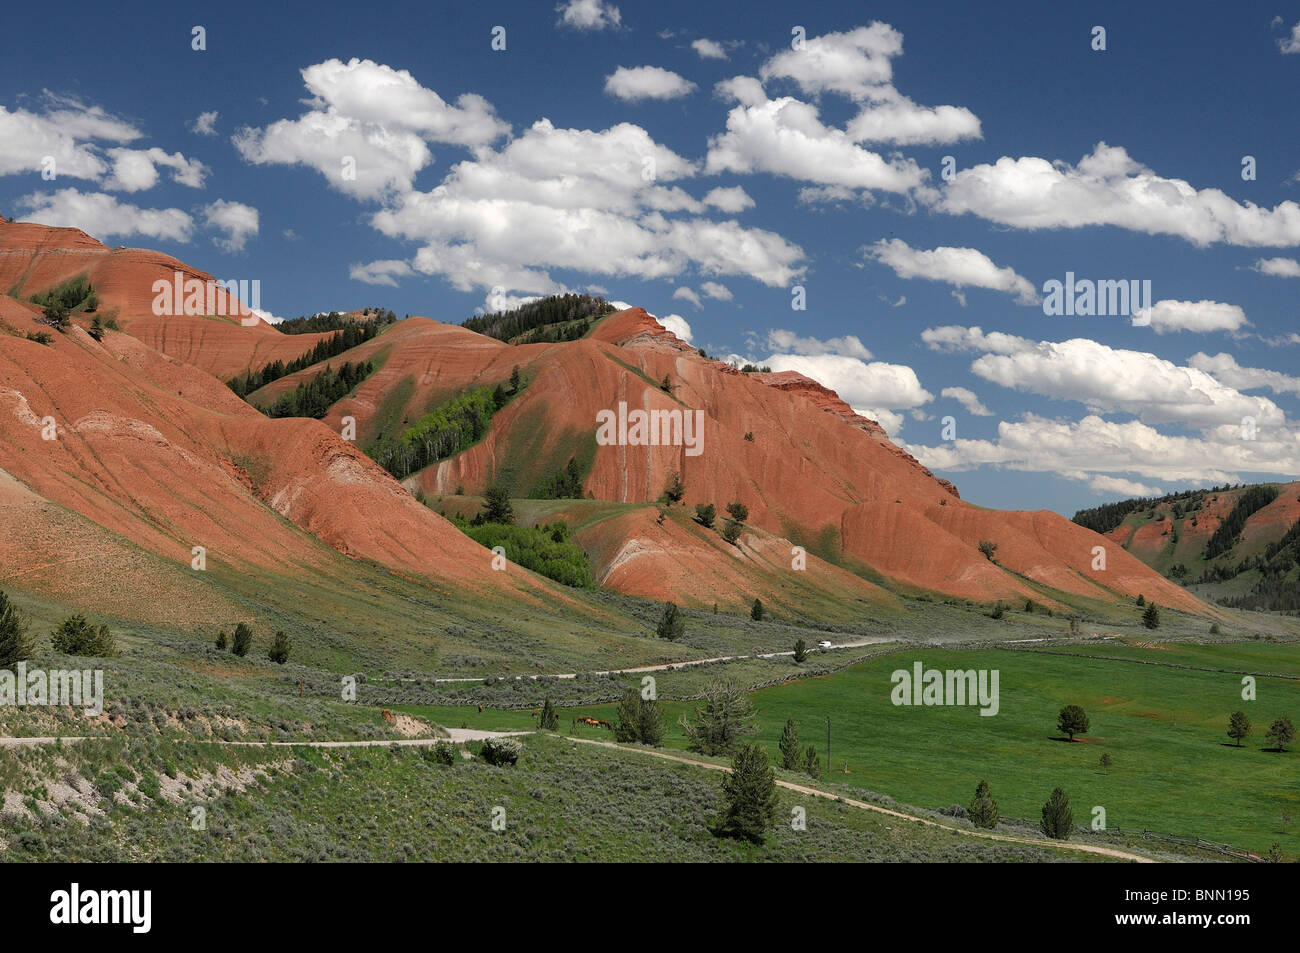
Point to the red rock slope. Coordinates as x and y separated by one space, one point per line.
808 468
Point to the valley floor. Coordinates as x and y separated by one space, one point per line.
273 792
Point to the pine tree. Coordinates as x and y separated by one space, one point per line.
549 720
221 640
756 610
812 763
515 380
1151 618
279 652
790 754
674 489
56 316
671 624
983 810
15 644
1058 819
706 513
243 640
725 716
650 723
800 651
750 793
627 730
640 720
497 507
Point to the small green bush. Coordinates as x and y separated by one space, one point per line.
76 636
280 648
501 751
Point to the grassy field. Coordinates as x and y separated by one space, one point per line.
562 802
1174 770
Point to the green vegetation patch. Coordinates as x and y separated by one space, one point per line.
545 549
349 337
454 426
315 397
574 312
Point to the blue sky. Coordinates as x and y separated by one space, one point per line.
484 176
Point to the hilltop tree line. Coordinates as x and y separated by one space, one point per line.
557 333
334 321
1276 589
1104 518
556 309
346 339
315 397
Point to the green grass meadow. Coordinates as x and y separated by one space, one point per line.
1174 769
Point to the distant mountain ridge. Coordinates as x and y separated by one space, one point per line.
1237 544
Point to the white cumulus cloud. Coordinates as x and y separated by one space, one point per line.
631 84
786 137
960 267
709 49
236 221
1107 187
1106 379
968 400
385 272
589 15
678 325
368 126
732 199
1278 267
205 124
1165 317
103 216
686 294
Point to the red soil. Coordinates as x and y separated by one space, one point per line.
163 455
153 447
814 470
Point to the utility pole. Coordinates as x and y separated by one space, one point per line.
828 744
